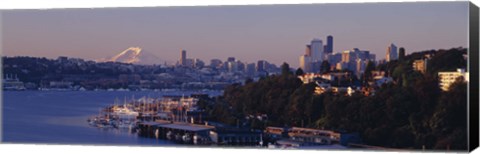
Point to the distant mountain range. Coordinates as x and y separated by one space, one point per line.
134 55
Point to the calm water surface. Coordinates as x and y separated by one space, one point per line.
59 117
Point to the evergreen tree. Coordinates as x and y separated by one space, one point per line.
401 54
285 69
299 72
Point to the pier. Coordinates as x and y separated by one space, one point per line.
178 132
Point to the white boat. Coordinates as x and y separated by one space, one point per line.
169 135
125 124
124 112
186 138
178 137
157 133
196 139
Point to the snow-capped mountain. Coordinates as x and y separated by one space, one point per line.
134 55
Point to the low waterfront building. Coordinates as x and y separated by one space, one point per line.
11 82
179 132
276 132
236 136
60 84
296 137
313 136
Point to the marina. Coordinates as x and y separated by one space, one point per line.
156 119
178 119
60 117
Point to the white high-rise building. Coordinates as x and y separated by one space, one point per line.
232 66
354 60
391 53
305 63
448 78
316 47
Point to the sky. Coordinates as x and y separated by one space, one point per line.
276 33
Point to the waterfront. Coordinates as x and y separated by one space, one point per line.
59 117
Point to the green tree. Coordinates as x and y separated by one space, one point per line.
299 72
367 76
447 60
449 122
285 69
248 80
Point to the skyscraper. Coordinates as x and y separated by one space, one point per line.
260 65
183 58
354 60
308 50
316 47
232 66
306 63
215 63
391 53
250 69
329 46
198 63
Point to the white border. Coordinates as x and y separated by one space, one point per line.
48 4
81 149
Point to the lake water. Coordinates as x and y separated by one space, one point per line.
59 117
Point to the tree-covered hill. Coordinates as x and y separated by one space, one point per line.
410 113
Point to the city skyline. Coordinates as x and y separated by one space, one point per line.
275 33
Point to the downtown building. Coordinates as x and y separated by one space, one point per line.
183 58
315 54
354 60
392 53
184 61
216 63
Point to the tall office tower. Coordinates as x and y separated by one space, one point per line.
183 59
348 56
333 59
189 63
232 66
317 50
240 66
215 63
306 63
329 46
260 65
250 69
353 60
391 53
198 63
308 50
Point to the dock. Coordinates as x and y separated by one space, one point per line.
179 132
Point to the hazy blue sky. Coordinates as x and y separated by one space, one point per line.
276 33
